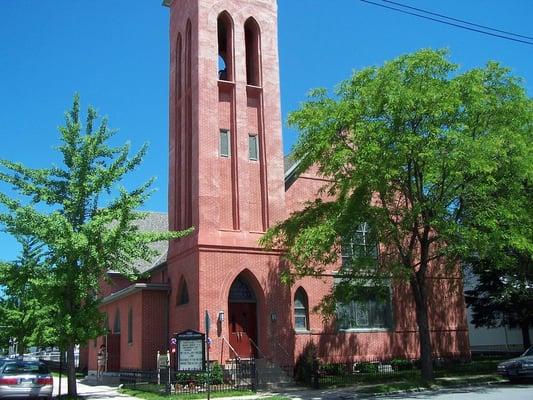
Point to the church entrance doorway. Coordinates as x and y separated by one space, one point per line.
242 310
113 352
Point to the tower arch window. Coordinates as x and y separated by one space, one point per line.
252 39
301 310
116 325
225 46
183 293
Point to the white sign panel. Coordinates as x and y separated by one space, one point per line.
190 355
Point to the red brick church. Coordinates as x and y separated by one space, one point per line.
228 178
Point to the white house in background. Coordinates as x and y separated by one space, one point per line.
484 340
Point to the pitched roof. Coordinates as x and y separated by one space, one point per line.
152 222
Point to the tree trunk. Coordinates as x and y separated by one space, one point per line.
71 372
422 319
526 339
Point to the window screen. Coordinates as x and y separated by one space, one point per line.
252 147
225 144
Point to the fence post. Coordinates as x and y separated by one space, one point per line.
315 375
253 373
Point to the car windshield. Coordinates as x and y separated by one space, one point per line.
19 368
528 352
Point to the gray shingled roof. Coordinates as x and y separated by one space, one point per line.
288 162
153 222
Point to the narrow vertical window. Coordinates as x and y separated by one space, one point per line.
116 325
225 47
252 48
183 293
130 325
253 149
225 143
106 323
301 320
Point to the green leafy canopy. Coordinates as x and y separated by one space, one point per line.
417 150
82 217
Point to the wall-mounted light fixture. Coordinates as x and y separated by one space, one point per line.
220 316
273 317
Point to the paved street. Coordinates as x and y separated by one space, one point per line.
487 392
492 392
504 391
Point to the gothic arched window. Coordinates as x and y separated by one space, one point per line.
225 47
252 39
301 310
360 246
116 325
183 292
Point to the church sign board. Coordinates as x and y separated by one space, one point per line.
190 351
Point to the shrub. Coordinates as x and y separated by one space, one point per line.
367 368
333 369
184 378
217 374
399 364
306 364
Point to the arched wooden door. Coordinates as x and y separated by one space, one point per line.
242 310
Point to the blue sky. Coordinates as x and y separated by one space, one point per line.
115 54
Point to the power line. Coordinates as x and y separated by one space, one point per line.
456 19
446 22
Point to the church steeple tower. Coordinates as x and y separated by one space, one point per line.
226 160
226 173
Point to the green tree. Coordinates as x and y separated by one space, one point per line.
27 313
407 148
85 220
503 266
503 295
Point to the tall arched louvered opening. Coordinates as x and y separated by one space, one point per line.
252 38
225 47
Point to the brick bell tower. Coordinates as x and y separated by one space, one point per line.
226 173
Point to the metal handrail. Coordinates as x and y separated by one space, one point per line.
231 348
257 347
283 348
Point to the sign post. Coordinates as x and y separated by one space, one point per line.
207 343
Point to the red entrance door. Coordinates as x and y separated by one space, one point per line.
242 328
113 352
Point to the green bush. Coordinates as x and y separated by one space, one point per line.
217 374
399 364
184 378
333 369
306 364
200 378
367 368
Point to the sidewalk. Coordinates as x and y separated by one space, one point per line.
89 391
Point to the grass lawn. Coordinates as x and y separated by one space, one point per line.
186 396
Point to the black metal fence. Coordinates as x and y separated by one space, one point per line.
238 375
320 375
